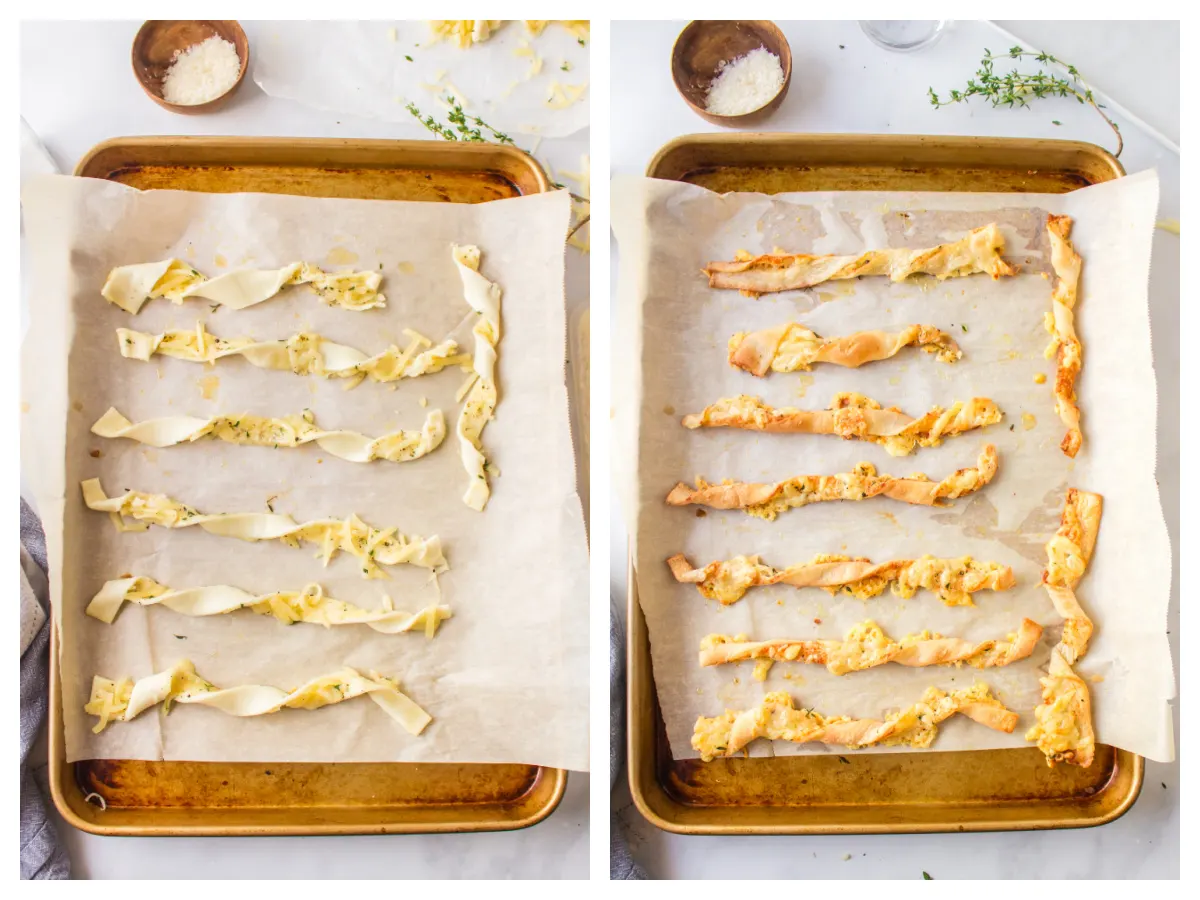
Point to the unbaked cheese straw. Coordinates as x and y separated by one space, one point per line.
311 605
793 348
130 287
953 580
978 252
766 501
120 701
371 546
866 646
1061 325
305 353
851 416
777 719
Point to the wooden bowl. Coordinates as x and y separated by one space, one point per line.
704 44
154 51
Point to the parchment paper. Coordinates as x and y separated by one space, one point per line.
676 328
353 67
505 679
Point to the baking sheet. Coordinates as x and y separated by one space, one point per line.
488 704
356 68
672 360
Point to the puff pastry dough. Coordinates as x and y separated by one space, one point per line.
793 348
978 252
130 287
484 298
290 432
309 605
953 580
1061 325
121 701
851 416
766 501
1063 729
305 353
777 719
866 646
372 547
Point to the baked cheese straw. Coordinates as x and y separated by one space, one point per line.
1061 325
851 416
113 701
305 353
1063 729
310 605
793 348
766 501
777 719
372 547
953 580
289 432
978 252
866 646
130 287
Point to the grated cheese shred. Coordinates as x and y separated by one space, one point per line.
202 72
745 84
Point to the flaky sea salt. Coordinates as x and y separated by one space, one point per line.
745 84
202 72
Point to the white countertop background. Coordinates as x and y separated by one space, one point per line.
841 82
71 116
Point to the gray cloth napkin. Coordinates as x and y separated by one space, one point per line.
42 855
621 866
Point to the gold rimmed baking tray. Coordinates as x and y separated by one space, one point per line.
206 798
993 790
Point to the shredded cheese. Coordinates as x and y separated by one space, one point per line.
745 84
202 72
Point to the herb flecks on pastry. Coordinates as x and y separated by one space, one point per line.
978 252
305 353
372 547
766 501
311 605
794 348
130 287
484 298
288 432
853 417
121 701
1064 343
953 580
867 646
1063 729
777 719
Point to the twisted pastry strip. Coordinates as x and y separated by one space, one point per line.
129 287
124 700
953 580
766 501
1061 325
793 348
851 416
1063 729
483 297
866 646
979 251
777 719
305 353
309 605
370 546
289 432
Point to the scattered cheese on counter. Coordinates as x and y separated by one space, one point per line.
564 95
202 72
745 84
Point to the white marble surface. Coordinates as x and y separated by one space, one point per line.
109 103
843 83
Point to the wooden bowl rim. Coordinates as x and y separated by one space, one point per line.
241 47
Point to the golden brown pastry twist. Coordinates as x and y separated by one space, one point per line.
793 348
1061 325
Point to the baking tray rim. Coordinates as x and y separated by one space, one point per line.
641 767
59 768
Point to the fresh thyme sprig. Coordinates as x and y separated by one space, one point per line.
1015 88
460 125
